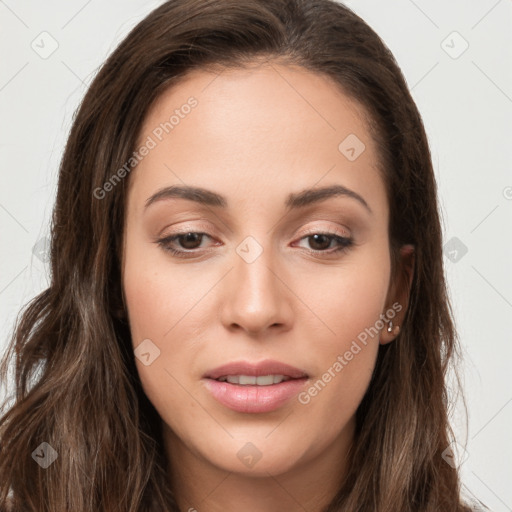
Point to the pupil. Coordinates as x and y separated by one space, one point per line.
190 238
315 240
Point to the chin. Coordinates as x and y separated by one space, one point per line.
250 461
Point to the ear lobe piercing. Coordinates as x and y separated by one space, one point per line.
395 330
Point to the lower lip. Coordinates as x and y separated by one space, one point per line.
254 399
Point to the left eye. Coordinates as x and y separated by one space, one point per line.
319 240
190 240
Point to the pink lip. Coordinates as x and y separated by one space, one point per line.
254 399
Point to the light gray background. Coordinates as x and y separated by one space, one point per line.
466 103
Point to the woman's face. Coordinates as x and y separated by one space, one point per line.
276 278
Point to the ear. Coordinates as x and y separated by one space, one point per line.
398 294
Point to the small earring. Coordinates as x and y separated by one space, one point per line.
395 330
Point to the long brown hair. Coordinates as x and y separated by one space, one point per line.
76 384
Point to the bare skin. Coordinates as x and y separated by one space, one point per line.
256 136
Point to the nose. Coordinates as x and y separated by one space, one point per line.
256 296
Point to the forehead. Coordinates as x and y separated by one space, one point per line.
279 124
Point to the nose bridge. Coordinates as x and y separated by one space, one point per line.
255 298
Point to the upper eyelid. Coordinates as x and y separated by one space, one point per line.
202 229
328 231
310 231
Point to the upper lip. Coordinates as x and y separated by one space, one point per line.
267 367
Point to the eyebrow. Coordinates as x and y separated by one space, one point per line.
293 201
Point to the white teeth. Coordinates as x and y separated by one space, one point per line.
251 380
243 380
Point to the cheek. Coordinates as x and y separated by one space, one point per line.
349 302
156 298
346 300
160 309
164 307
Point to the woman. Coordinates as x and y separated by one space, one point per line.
199 348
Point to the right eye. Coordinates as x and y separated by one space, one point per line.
186 239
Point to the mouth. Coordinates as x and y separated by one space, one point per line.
247 371
252 380
254 387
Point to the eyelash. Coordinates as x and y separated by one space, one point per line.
345 243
